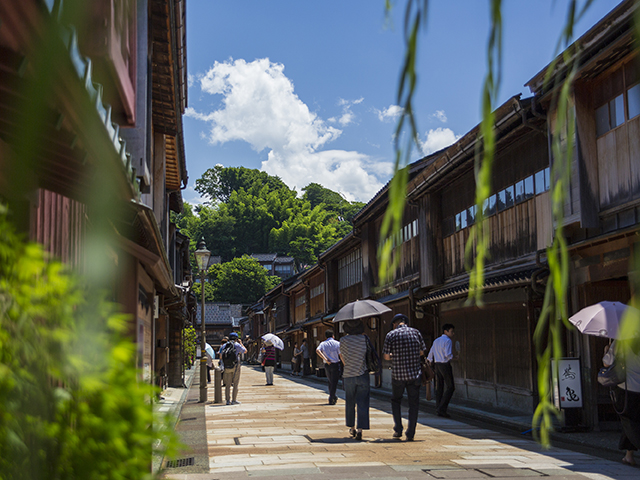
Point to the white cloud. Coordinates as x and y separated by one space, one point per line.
191 79
440 115
347 116
438 139
259 106
390 113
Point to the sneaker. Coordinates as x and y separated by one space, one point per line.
359 435
235 402
397 434
409 439
352 432
228 402
444 415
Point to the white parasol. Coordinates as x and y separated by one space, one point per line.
603 319
274 339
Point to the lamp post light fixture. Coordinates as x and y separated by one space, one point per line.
202 259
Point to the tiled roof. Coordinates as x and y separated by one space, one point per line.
284 260
264 257
220 314
498 281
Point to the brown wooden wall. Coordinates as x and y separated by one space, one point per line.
517 231
619 164
495 345
316 304
349 294
299 312
59 223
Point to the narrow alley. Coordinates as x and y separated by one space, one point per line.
288 431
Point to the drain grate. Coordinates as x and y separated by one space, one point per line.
181 462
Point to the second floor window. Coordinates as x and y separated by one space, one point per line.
350 269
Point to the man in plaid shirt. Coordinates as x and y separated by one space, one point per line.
403 346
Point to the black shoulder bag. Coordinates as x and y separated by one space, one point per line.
611 376
372 360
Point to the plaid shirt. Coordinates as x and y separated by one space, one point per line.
404 344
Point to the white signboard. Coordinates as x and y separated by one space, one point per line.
567 383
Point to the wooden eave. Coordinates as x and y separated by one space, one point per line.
348 242
599 48
173 166
458 158
168 90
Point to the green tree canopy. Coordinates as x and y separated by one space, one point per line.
242 280
253 212
218 183
209 292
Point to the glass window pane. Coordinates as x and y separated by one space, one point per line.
510 196
520 191
458 227
463 219
492 204
502 199
485 207
547 178
471 214
616 111
540 182
633 100
602 120
528 187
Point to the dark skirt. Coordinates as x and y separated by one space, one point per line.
630 419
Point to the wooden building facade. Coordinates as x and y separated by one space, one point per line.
497 365
96 156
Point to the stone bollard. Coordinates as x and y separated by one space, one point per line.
217 385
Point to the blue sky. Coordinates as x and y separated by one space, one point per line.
306 90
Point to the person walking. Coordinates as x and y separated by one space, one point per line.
440 356
353 350
404 346
627 394
230 358
269 361
211 355
306 358
329 352
297 359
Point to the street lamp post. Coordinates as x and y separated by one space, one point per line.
202 259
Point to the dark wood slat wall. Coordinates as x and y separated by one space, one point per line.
515 232
60 226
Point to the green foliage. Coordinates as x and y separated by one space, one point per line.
71 401
209 292
218 183
242 280
305 235
189 341
254 212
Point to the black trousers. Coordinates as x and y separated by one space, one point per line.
333 375
630 419
444 386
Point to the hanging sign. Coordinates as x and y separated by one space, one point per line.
567 383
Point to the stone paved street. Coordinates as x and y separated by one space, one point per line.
288 431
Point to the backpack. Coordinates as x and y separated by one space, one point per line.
228 355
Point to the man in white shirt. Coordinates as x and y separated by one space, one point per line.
440 357
329 351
